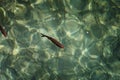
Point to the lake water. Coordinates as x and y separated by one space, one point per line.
88 29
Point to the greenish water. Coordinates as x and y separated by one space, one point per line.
88 29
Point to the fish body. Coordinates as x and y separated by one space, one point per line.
3 31
57 43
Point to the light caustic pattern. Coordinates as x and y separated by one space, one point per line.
87 30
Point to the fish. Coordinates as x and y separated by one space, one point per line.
3 31
57 43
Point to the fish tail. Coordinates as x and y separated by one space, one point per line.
43 35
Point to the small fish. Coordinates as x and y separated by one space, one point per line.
54 41
3 31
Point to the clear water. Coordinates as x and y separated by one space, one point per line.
89 30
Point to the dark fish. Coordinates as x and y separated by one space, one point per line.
54 41
3 31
